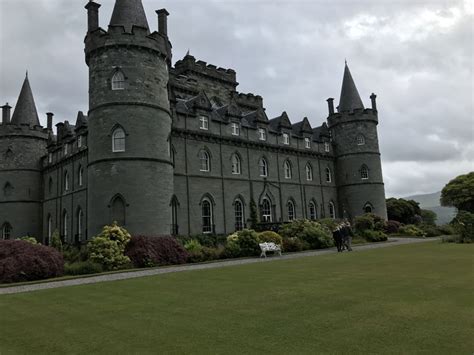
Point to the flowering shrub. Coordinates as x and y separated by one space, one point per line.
313 233
108 247
392 227
23 261
293 244
155 251
411 231
31 240
373 236
270 237
242 243
363 223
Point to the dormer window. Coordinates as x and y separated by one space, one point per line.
50 158
235 129
307 143
204 123
262 134
66 149
327 147
79 141
118 81
286 138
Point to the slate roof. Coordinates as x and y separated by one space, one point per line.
350 98
129 13
81 120
25 109
302 127
279 122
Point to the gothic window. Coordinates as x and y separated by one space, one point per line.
66 181
118 81
360 139
235 129
118 210
286 138
205 161
332 210
309 172
174 216
6 231
328 175
49 232
263 167
364 172
206 213
236 165
327 147
65 228
204 123
368 208
80 176
239 215
287 168
80 223
118 140
307 143
312 211
291 210
266 210
8 189
262 134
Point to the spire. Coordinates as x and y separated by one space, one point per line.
129 13
25 109
350 98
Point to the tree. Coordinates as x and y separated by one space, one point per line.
253 214
56 241
428 217
403 211
459 193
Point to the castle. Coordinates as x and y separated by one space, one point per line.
177 149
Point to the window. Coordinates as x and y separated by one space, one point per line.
118 81
266 209
327 147
118 210
286 138
66 149
50 185
360 140
263 167
236 165
332 210
368 208
307 143
328 175
287 168
80 219
309 172
79 141
65 229
118 140
204 158
291 210
50 230
174 216
66 181
239 215
50 158
8 189
6 231
204 123
312 211
262 134
364 172
80 176
235 129
206 209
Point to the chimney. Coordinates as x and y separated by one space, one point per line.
50 115
374 102
92 15
163 22
6 113
330 105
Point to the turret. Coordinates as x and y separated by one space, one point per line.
130 173
359 171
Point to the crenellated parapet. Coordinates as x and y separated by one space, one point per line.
356 115
23 130
189 65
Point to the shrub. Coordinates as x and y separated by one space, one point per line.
446 229
451 239
212 253
73 254
411 231
294 244
363 223
313 233
430 230
465 226
56 241
155 251
108 247
206 240
373 236
23 261
329 223
232 249
392 227
83 268
248 242
28 239
270 237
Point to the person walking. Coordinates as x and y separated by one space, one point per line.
347 236
337 236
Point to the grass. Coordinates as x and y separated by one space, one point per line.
403 299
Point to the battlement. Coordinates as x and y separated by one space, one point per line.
23 130
248 100
189 64
367 114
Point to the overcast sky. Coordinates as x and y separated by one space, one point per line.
417 56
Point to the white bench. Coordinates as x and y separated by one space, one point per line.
264 247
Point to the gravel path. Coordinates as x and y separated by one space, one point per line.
190 267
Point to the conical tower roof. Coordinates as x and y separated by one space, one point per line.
25 109
129 13
350 98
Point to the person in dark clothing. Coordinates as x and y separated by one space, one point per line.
347 236
337 236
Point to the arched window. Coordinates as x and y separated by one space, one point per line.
118 210
266 210
360 139
236 166
328 175
6 231
80 176
287 168
65 227
50 230
309 172
118 140
66 181
80 223
205 161
239 215
291 210
364 172
50 185
8 189
263 167
118 81
312 211
206 213
368 208
332 210
174 216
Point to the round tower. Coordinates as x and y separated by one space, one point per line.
130 173
22 145
359 170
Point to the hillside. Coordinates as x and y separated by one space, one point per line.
431 202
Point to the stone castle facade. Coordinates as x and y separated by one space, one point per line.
177 149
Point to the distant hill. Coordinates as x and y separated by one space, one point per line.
431 202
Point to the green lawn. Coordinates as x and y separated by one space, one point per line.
402 299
